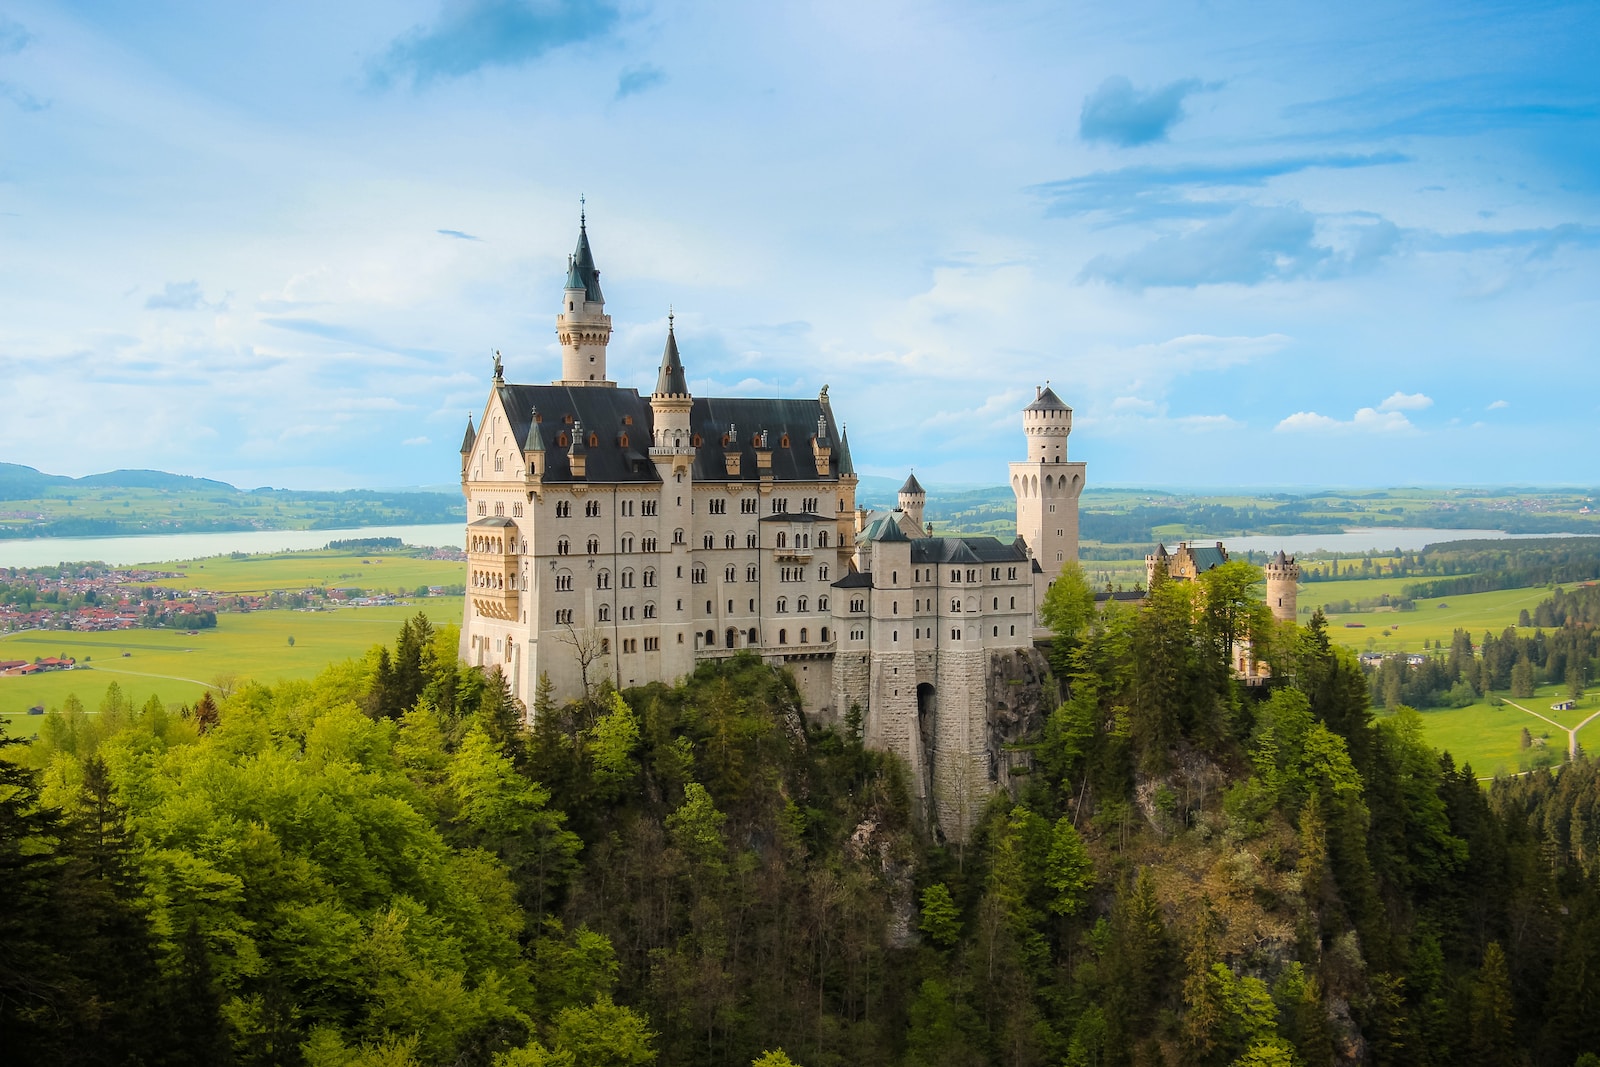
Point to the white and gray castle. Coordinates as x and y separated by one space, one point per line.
612 535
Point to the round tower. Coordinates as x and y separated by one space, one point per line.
912 499
583 325
1283 576
1047 486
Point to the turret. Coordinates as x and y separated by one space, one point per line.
583 326
1283 576
468 443
1047 486
671 403
912 498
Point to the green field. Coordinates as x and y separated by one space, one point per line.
392 572
1433 620
1490 738
176 666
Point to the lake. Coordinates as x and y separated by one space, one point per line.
156 548
1364 539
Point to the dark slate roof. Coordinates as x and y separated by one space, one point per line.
1123 596
671 380
855 580
712 416
602 411
912 486
884 529
841 455
1047 401
583 265
789 516
471 439
965 550
1207 557
499 522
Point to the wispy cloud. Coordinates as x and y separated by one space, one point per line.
180 296
1183 191
474 34
1366 420
1399 401
457 234
1122 115
1498 405
636 80
416 441
14 36
1250 246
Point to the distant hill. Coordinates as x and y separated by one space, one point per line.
125 479
24 483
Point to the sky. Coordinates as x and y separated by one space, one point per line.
1252 245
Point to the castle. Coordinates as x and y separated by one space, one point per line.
1188 562
617 536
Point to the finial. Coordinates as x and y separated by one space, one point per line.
669 318
583 212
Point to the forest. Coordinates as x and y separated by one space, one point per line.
384 866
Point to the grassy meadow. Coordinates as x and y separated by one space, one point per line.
1433 620
304 570
176 666
1490 738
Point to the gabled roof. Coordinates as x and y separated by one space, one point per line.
1047 401
671 381
886 528
965 550
912 486
1205 557
712 418
855 580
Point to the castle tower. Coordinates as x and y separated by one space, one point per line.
671 402
672 450
1047 486
912 499
1283 573
583 325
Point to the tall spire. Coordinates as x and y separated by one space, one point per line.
671 380
583 264
470 440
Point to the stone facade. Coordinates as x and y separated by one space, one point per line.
622 537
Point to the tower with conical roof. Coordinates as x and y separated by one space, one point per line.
1283 577
1047 485
912 499
583 325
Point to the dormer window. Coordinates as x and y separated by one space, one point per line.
567 419
783 442
562 440
594 440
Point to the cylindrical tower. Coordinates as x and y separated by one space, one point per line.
1283 576
912 499
583 325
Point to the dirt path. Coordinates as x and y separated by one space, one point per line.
142 674
1572 734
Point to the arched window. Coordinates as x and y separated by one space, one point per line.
602 580
752 635
822 573
603 613
730 573
783 637
708 541
711 638
749 540
800 605
649 610
751 573
783 540
563 546
594 545
824 637
783 604
727 540
677 537
822 605
822 539
649 579
804 635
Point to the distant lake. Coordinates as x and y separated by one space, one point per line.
1362 539
156 548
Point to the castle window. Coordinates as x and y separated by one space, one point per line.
647 507
730 573
727 540
696 440
783 605
562 440
752 635
822 605
708 607
997 631
783 540
1013 631
994 574
752 604
563 583
805 635
955 576
751 573
894 579
563 509
500 508
955 603
824 636
677 537
623 441
800 604
711 638
750 540
594 440
563 616
698 576
649 611
783 637
822 573
603 613
516 510
483 507
783 442
653 644
972 574
563 546
594 545
996 603
627 544
592 509
627 507
648 544
858 605
1013 603
719 507
955 635
822 539
1011 574
605 646
708 541
749 507
629 644
602 580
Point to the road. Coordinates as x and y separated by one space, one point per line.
1572 734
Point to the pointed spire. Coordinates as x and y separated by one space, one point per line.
671 380
470 440
583 269
912 486
845 464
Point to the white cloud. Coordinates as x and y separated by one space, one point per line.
1498 404
416 441
1399 401
1135 405
1366 420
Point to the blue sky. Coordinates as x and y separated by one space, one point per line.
1269 244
